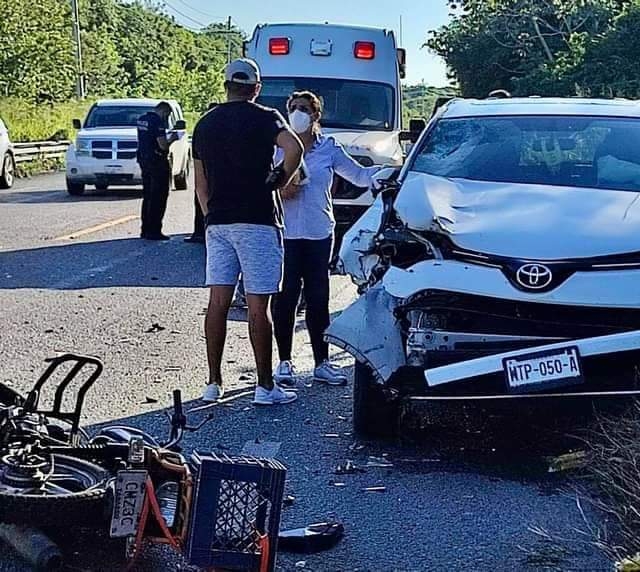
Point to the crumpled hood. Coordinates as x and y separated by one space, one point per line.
108 133
523 221
381 146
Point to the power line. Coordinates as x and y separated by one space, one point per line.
167 5
192 8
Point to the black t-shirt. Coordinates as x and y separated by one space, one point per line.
236 143
150 127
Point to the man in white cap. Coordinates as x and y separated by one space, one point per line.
238 190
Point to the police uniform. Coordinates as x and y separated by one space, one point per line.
156 174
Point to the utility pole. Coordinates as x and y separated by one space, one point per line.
229 40
76 36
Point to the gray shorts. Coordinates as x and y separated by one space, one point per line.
254 250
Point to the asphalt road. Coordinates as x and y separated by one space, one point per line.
74 276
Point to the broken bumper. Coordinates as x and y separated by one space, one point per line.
538 368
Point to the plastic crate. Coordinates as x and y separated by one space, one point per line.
237 500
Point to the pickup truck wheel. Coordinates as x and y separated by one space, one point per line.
7 171
75 189
375 410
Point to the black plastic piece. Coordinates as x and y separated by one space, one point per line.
313 538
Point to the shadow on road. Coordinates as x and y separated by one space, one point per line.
55 196
130 262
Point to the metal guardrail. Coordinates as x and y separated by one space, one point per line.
32 150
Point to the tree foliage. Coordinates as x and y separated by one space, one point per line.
542 47
129 49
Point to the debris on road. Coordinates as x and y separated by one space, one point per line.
568 462
331 435
288 500
375 489
246 377
151 400
349 468
301 564
313 538
155 328
379 462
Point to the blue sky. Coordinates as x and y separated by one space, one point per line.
417 19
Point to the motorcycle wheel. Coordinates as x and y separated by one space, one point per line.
73 494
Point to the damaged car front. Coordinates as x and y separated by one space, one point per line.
501 262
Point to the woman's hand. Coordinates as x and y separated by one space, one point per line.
292 189
289 192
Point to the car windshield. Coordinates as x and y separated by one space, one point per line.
569 151
346 104
115 115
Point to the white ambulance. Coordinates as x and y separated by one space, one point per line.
356 71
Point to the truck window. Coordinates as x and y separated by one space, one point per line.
347 104
115 115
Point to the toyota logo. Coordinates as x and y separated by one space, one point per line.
534 276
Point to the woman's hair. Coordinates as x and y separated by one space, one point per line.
314 102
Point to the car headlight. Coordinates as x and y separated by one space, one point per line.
83 147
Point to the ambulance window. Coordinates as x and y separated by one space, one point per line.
347 104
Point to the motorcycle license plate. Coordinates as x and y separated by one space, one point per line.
128 503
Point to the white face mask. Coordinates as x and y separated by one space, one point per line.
299 121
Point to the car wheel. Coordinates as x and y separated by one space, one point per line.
7 173
74 188
375 410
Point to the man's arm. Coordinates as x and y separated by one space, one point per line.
202 186
293 150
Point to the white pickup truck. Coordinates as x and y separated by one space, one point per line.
7 161
104 153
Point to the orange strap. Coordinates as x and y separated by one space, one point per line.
150 505
265 549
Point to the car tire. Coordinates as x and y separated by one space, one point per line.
74 188
376 411
7 171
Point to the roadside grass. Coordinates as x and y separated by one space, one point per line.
41 122
613 465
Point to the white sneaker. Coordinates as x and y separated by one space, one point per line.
276 396
285 374
330 374
212 393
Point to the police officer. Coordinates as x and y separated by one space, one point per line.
153 157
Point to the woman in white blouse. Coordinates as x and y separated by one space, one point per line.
308 239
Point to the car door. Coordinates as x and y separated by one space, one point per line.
179 148
4 141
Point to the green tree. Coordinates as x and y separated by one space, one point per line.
36 50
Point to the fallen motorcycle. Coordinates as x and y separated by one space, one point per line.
53 474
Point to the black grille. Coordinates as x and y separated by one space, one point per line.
102 154
126 154
344 189
481 314
101 144
127 145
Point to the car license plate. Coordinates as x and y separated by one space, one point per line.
128 502
552 368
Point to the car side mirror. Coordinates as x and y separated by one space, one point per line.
180 125
416 127
77 124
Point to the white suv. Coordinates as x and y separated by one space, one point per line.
104 153
7 161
